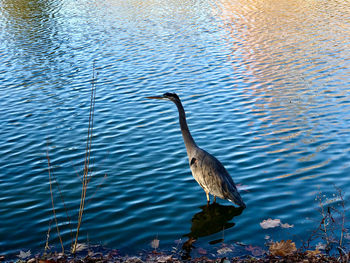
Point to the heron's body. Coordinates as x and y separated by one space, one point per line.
210 174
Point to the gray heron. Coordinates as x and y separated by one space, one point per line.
208 171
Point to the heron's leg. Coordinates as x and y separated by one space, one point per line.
214 199
208 198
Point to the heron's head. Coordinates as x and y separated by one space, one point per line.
167 96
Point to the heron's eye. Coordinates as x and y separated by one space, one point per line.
193 161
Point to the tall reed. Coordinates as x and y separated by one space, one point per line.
87 171
85 178
53 204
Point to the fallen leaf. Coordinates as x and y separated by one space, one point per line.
311 253
23 255
286 225
46 261
320 246
163 259
174 250
224 250
81 246
133 260
270 223
283 248
155 243
256 251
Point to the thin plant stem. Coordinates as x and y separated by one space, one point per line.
64 205
340 194
53 205
47 247
86 171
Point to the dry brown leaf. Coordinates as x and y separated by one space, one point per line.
155 243
283 248
81 247
46 261
311 253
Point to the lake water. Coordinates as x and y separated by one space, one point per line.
265 85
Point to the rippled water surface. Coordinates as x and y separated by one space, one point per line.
265 85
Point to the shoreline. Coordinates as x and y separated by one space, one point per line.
228 253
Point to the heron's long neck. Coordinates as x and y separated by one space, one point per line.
189 142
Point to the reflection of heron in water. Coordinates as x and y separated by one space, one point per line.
210 174
212 219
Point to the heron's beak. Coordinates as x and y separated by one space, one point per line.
157 98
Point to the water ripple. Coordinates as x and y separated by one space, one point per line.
265 89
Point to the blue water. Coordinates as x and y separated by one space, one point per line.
265 85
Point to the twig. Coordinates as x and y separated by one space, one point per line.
53 206
341 253
47 247
333 220
343 230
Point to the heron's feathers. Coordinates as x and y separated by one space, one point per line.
213 177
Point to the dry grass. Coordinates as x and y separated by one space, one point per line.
53 207
87 172
86 177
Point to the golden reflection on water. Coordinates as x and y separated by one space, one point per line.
279 39
30 27
289 52
157 12
17 11
284 31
